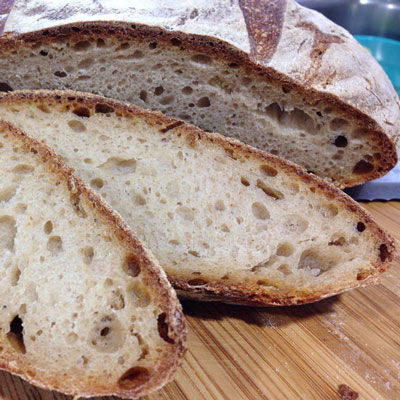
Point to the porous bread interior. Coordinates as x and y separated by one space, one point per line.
65 279
216 95
206 216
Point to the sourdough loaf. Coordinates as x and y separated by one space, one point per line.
226 221
85 308
270 73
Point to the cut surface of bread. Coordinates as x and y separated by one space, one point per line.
85 307
296 85
225 220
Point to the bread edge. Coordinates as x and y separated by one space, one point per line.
225 52
169 302
220 291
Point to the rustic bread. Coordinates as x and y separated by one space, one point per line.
270 73
85 308
226 221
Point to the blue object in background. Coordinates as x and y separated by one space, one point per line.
387 52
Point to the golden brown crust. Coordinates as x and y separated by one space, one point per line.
225 52
168 301
221 291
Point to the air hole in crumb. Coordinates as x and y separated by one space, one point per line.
203 102
131 265
5 87
103 109
316 262
44 108
219 205
123 46
152 45
225 228
118 301
82 45
338 124
71 338
284 268
166 100
194 253
77 126
163 328
244 181
328 210
23 169
119 166
8 231
360 227
158 90
48 227
82 112
286 89
107 336
54 245
187 90
77 206
7 193
88 254
43 53
100 43
87 160
175 42
143 96
285 250
260 211
197 282
341 141
296 224
134 377
363 167
60 74
201 59
15 335
383 252
137 55
139 200
270 191
139 295
97 183
16 273
267 170
186 213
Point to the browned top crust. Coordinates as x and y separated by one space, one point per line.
285 42
176 329
238 293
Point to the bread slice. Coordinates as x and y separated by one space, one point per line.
85 308
272 74
226 221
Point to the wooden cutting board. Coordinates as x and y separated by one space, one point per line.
302 352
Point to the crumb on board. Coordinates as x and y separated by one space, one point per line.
347 393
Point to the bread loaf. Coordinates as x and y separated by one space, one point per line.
85 308
270 73
226 221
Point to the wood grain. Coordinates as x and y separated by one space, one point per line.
302 352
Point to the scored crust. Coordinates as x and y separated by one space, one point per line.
219 290
371 104
169 304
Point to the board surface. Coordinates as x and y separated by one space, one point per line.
302 352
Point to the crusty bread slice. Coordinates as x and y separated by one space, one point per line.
272 74
85 308
225 220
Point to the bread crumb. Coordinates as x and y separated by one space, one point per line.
347 393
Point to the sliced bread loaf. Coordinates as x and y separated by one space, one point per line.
85 308
225 220
272 74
